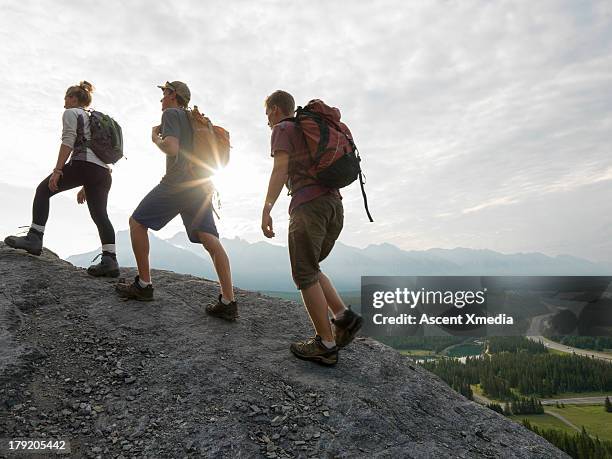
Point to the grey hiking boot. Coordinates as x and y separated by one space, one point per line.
314 350
32 242
134 291
346 327
108 266
223 311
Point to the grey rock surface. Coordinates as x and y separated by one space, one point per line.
162 379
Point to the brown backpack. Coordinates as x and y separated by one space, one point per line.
211 144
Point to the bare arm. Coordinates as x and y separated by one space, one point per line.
168 145
278 177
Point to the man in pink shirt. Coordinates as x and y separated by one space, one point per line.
316 217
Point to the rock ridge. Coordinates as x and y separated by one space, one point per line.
127 379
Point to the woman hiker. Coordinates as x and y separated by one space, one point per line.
84 169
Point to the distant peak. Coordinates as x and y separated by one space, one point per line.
384 246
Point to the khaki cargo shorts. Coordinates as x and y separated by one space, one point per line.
313 229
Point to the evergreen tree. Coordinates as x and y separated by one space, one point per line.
496 407
578 446
540 408
530 374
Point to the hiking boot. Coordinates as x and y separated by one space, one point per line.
346 327
134 291
313 349
223 311
32 242
108 266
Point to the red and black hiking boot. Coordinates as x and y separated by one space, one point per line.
314 350
346 327
134 291
223 311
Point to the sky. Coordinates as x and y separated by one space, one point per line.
481 124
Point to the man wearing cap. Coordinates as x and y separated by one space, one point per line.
179 192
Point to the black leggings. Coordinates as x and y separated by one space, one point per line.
97 183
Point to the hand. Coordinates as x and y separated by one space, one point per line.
55 176
266 225
155 133
81 197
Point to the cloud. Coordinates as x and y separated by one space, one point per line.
459 109
490 203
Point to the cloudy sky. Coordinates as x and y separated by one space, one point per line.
481 124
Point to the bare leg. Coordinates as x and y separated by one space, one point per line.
316 305
334 301
140 246
221 263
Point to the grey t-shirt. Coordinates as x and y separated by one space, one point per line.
175 123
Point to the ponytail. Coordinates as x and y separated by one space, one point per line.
82 92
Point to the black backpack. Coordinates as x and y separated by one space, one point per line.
106 137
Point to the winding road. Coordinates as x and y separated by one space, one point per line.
577 400
562 419
571 350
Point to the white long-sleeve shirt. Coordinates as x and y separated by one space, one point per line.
69 135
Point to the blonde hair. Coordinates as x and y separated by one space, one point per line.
283 100
82 92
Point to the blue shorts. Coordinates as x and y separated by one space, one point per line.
167 200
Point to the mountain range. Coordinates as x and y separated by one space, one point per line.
265 267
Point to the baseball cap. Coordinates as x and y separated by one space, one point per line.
180 88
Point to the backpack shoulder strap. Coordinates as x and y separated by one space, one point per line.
323 130
81 143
